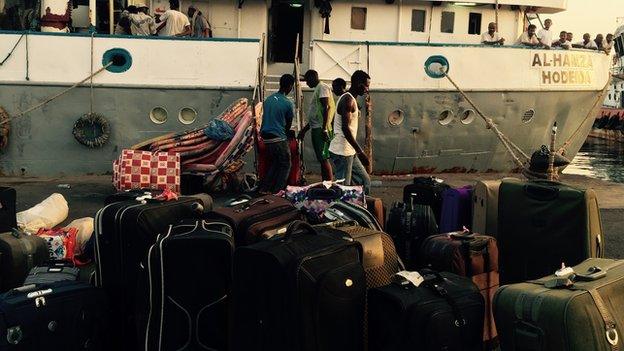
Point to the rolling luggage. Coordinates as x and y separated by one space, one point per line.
124 231
539 217
426 191
485 207
376 206
456 209
470 255
190 277
54 271
257 218
566 314
409 226
20 253
303 291
444 312
346 211
8 219
57 316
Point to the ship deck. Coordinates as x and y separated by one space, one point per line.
86 195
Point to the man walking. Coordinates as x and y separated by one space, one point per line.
320 118
344 147
277 117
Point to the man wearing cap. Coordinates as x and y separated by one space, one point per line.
200 28
320 118
142 23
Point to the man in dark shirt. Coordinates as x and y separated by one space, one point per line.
277 116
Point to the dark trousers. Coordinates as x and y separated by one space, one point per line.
276 178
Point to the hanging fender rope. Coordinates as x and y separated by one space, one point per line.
509 145
56 96
13 49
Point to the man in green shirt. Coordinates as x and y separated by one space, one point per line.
320 118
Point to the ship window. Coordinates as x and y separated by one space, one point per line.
448 22
158 115
187 115
358 18
609 96
418 20
474 23
528 116
445 117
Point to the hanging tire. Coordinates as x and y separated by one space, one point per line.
92 130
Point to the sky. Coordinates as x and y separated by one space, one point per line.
589 16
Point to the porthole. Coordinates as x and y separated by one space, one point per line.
187 115
396 117
158 115
120 58
445 117
467 116
437 66
528 116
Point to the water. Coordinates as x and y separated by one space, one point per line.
599 159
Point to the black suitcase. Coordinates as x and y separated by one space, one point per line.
51 272
8 219
20 253
346 211
426 191
190 278
444 313
303 291
60 316
409 226
124 232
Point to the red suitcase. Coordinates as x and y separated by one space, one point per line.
295 176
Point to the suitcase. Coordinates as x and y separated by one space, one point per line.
485 207
51 272
346 211
376 206
124 232
58 316
314 199
8 220
456 209
303 291
190 277
445 312
131 195
469 255
409 226
20 253
426 191
540 217
586 313
257 218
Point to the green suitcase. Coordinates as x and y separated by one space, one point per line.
542 224
547 315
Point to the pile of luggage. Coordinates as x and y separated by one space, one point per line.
315 270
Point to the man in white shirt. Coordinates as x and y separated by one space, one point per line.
529 38
491 37
587 43
141 23
563 42
545 35
173 22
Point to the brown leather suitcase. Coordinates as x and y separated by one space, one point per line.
375 206
257 218
469 255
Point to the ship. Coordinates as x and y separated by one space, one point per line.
419 121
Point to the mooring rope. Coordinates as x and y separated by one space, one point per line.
56 96
92 98
12 50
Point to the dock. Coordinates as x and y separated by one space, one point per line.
86 194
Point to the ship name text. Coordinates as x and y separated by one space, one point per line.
564 68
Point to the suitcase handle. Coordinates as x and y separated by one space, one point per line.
299 226
541 193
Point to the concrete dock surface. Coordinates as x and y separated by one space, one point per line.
86 194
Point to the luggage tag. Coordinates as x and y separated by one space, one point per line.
405 278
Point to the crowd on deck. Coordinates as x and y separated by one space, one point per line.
135 20
544 38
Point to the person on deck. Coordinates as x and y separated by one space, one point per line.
587 43
491 37
320 120
570 37
529 38
545 35
173 22
599 41
563 42
607 45
277 117
349 159
123 26
141 23
200 28
339 86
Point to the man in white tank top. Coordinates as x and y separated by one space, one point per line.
344 147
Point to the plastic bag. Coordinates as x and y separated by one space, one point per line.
219 130
46 214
